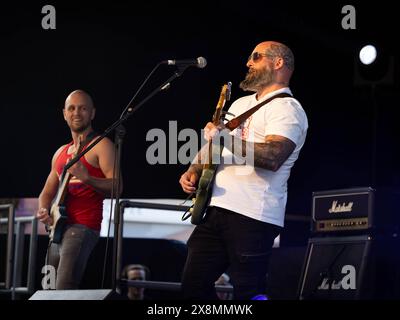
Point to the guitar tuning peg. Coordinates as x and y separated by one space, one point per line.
194 200
191 210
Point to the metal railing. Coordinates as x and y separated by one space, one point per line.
15 253
10 244
134 204
158 285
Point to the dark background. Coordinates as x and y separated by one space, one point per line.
108 49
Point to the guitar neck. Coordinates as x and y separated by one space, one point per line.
209 156
62 190
225 93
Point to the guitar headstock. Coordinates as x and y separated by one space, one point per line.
224 96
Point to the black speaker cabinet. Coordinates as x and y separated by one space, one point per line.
98 294
351 268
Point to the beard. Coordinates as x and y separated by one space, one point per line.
257 79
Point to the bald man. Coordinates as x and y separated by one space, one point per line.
91 182
247 207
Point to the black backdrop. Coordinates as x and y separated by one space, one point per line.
109 48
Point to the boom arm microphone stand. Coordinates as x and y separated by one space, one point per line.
118 226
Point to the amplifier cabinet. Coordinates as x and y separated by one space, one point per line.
350 268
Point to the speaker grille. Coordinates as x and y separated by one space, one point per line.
351 268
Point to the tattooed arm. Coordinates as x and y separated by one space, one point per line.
269 155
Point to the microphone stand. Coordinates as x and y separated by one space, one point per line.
120 133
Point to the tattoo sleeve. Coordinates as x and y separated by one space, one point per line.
269 155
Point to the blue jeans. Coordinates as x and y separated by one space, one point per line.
70 257
228 239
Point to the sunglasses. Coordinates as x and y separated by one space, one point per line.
256 56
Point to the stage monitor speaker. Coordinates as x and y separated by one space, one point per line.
350 268
98 294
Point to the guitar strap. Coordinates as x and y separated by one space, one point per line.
89 137
236 122
85 143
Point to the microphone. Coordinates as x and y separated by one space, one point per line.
200 62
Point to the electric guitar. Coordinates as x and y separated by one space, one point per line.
204 188
58 211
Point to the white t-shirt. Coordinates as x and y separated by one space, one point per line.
255 192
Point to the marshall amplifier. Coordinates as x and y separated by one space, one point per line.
355 209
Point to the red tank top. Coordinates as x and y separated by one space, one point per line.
83 203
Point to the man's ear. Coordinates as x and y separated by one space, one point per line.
93 113
64 114
279 63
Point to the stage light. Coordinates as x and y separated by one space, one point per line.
368 54
373 66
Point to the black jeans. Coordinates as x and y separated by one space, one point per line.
228 239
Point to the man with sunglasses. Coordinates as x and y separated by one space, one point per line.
247 208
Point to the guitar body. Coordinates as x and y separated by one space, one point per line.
203 195
59 215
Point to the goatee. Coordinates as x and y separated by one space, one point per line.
79 129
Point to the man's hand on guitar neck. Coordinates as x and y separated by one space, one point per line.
43 216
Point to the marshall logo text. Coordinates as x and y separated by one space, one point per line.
341 207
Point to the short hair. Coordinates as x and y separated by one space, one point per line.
129 267
280 50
